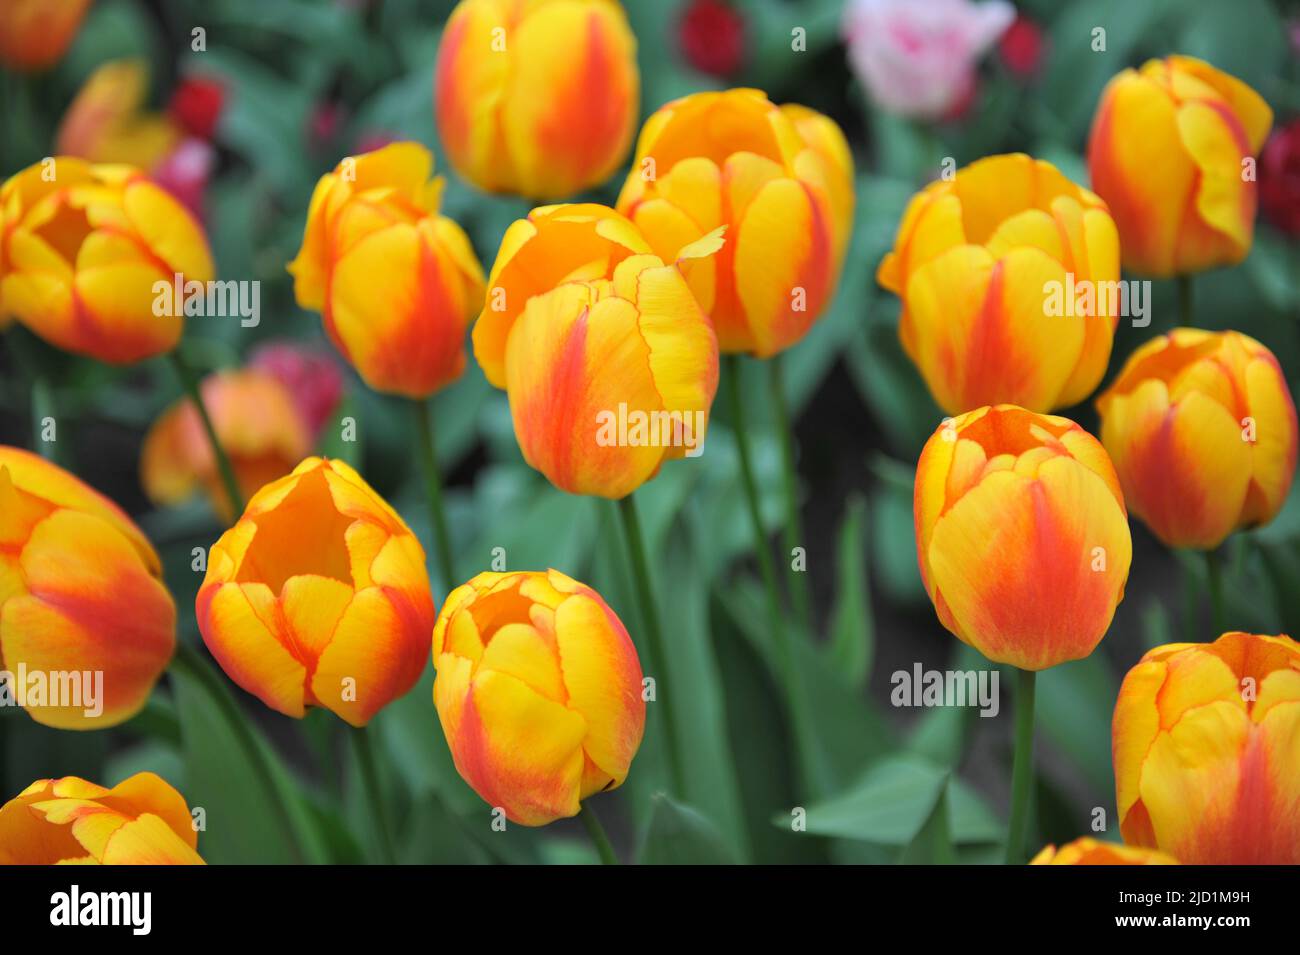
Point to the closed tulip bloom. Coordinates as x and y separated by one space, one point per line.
81 596
779 179
107 122
81 249
1204 740
1022 536
395 281
1167 152
1089 851
609 364
985 264
140 821
34 34
538 99
538 691
1202 430
259 427
318 596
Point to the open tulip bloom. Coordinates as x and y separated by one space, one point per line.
461 574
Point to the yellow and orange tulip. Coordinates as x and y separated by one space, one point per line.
1202 430
1022 536
107 123
140 821
259 427
589 333
1207 766
974 263
1171 151
80 593
35 34
1089 851
780 179
537 98
395 281
538 691
82 247
318 596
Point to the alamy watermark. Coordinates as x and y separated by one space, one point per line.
1124 298
66 689
922 687
624 428
215 299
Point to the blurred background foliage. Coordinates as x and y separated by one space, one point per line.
309 82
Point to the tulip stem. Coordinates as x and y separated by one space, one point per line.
1022 767
190 662
786 659
433 481
1185 300
604 848
794 538
656 657
365 754
190 382
1214 576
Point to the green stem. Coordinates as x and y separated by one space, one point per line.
1022 767
433 483
190 382
798 580
365 753
189 661
1214 575
1185 300
786 659
604 848
655 653
1191 599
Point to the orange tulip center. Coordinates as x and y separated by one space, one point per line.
304 534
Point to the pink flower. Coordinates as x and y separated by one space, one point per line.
917 57
184 172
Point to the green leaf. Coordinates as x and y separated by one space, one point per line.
681 835
1073 707
889 805
852 624
932 845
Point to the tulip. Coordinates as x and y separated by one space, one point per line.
919 59
140 821
780 181
82 248
539 692
1089 851
395 282
1279 179
34 34
257 424
1202 430
318 596
1168 152
197 104
609 364
1204 741
81 596
984 263
311 376
1022 535
107 122
536 99
711 34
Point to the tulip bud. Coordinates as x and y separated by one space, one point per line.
82 248
35 34
780 180
318 596
609 364
984 263
1022 536
1172 152
1204 742
395 281
1202 430
107 121
538 691
140 821
259 428
82 604
1089 851
537 99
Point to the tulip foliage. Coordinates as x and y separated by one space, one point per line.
364 497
